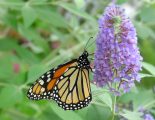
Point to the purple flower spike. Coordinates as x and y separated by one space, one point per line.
117 58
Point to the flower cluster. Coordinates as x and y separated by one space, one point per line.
145 114
117 57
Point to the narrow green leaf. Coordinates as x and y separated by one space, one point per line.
51 16
131 115
73 9
10 95
150 68
142 75
29 15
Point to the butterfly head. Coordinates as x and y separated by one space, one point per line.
83 61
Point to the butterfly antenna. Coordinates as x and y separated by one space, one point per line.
90 44
87 43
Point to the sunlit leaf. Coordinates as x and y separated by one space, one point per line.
149 68
76 11
28 14
131 115
142 75
80 3
106 98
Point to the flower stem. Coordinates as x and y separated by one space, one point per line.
113 107
114 104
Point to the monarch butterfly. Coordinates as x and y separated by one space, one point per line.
68 84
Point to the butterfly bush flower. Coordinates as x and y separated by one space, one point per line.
145 114
117 57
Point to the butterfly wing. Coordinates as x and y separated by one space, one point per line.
72 90
43 87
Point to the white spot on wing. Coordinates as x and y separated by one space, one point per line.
41 82
61 77
48 79
49 76
42 89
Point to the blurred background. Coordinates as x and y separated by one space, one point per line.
37 35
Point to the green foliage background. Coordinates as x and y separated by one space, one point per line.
37 35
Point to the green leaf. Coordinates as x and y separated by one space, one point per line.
131 115
150 68
35 72
148 17
140 97
121 1
96 112
26 55
19 79
29 15
13 4
144 31
10 19
80 3
6 69
40 2
31 35
142 75
10 95
106 98
65 115
7 44
51 17
73 9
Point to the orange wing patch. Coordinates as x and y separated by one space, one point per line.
56 76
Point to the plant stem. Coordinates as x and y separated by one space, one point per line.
113 107
114 104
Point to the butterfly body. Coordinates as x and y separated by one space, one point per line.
68 84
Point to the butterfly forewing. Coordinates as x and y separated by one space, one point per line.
43 87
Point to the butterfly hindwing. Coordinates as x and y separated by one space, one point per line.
72 90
